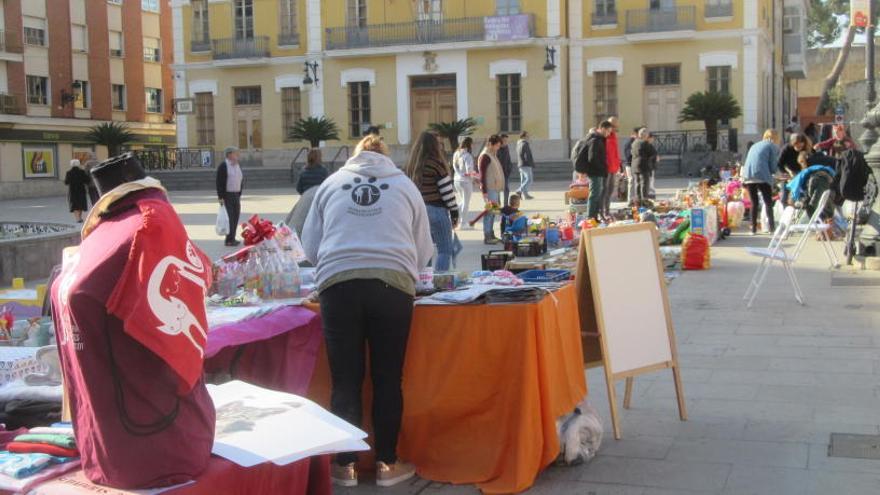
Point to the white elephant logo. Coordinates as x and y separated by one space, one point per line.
174 314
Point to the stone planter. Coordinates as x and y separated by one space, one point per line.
30 250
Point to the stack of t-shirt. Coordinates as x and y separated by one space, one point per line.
37 455
56 441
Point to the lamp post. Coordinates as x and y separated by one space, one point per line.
869 139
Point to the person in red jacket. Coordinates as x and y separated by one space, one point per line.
612 157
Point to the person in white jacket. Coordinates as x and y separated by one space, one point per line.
368 235
465 174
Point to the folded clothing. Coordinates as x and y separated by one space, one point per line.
22 465
41 448
51 430
24 485
65 441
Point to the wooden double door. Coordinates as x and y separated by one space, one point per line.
432 100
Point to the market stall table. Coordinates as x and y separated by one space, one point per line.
483 387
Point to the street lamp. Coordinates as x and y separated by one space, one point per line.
869 139
311 69
550 64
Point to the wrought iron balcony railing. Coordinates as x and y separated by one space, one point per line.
497 28
229 48
288 39
605 19
200 45
661 20
11 104
715 8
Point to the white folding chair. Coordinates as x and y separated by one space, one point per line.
775 251
816 225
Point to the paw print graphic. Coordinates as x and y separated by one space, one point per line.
365 194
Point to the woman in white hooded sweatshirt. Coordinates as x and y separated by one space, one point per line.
369 237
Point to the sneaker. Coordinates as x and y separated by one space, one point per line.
491 240
343 475
529 196
392 474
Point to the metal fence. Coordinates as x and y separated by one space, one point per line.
716 8
661 20
227 48
604 19
678 142
411 33
288 38
174 158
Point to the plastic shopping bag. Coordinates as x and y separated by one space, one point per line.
695 253
222 225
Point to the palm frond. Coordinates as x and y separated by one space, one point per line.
455 129
113 135
314 130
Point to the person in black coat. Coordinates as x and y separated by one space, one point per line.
77 181
592 161
506 166
313 175
230 180
643 161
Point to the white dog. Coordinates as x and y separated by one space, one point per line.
580 435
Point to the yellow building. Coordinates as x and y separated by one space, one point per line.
551 67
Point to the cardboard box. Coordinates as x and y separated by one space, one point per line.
704 222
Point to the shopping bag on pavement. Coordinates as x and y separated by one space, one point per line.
695 253
221 227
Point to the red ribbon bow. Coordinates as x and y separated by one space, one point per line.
257 230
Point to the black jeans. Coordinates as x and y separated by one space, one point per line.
233 209
643 185
506 198
357 313
767 195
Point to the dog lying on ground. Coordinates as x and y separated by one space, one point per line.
580 435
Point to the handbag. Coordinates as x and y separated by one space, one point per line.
221 227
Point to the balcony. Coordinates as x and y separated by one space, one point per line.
200 45
11 104
288 39
231 48
716 8
606 19
652 21
496 28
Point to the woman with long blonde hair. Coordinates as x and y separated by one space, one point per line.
761 164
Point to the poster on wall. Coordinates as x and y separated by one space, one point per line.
39 161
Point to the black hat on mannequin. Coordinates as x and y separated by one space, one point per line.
117 170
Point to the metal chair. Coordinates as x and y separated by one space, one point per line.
816 225
775 251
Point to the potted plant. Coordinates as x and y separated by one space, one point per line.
314 130
709 107
113 135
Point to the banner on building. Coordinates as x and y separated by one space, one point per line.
859 13
507 27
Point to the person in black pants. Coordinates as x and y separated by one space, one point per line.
229 182
757 174
506 166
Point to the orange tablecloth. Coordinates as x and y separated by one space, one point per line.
483 387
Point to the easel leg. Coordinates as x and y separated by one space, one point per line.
679 393
628 393
612 402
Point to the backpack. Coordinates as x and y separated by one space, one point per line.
853 173
576 151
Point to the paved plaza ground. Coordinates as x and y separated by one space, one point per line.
765 387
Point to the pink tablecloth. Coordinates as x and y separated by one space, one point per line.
276 351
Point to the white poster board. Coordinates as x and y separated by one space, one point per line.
621 271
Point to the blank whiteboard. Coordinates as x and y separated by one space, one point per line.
629 294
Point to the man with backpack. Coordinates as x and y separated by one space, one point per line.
591 160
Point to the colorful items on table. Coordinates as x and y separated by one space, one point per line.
6 322
695 253
58 442
736 211
23 465
23 302
498 277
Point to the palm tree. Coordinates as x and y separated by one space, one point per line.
453 130
113 135
314 130
710 107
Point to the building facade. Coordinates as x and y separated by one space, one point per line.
550 67
67 65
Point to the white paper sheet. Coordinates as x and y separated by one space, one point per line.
256 425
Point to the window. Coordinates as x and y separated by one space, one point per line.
606 95
79 38
34 31
205 118
151 50
116 43
357 13
201 30
248 96
288 33
663 75
115 2
37 90
290 110
605 8
244 19
82 94
718 79
431 10
509 103
117 96
150 5
154 100
507 7
358 108
662 4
